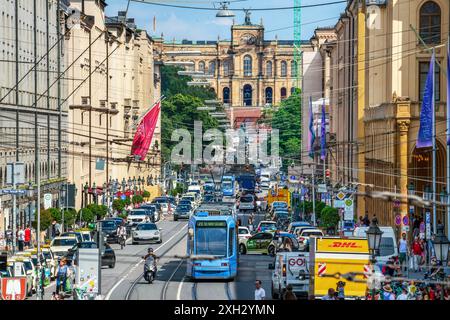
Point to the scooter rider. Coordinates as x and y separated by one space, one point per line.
150 254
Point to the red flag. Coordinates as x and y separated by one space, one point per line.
144 133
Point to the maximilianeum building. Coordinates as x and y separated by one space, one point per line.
247 72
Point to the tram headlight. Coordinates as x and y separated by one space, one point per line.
191 232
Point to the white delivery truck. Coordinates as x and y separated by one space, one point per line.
291 268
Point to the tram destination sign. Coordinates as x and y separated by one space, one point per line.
211 224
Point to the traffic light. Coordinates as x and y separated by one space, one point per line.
327 173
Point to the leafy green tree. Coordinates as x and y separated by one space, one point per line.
86 215
146 194
98 210
118 205
287 119
46 219
329 218
137 199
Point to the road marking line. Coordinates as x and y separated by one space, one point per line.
108 296
179 288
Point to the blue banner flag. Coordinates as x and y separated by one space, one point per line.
312 135
323 135
425 137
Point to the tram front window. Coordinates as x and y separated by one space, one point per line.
211 239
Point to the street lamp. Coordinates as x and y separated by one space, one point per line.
427 193
224 12
441 245
30 194
130 183
374 237
105 192
85 190
411 189
94 192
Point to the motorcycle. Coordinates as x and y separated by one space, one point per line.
149 269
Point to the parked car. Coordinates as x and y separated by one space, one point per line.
303 237
146 232
61 245
108 254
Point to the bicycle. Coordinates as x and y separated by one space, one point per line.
122 241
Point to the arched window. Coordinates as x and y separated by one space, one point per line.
226 68
269 68
226 95
283 93
294 68
201 66
269 95
430 22
212 68
247 95
247 66
283 69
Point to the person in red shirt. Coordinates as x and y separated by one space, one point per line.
417 250
27 237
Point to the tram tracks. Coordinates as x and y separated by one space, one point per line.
195 289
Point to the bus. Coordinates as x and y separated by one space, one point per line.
228 186
213 235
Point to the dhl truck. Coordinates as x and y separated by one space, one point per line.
334 256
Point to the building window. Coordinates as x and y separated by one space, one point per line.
423 72
212 68
226 68
283 69
269 68
294 68
292 90
226 95
201 66
283 93
247 66
430 22
269 95
248 95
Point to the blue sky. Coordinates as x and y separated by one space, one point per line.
203 25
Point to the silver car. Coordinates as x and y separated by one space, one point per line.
146 232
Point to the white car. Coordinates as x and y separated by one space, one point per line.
146 232
61 245
18 269
244 233
303 237
137 216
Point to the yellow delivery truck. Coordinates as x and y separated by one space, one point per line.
278 194
331 256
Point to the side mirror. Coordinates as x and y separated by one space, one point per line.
160 229
271 266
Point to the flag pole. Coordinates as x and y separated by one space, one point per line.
433 123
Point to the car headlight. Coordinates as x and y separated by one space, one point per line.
157 233
135 234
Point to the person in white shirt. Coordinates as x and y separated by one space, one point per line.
403 295
21 238
403 251
260 294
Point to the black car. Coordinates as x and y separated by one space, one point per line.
109 229
182 211
108 255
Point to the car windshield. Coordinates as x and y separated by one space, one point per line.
243 231
183 207
108 224
279 205
312 233
138 213
64 242
147 226
88 245
386 246
270 226
86 237
281 213
227 185
28 265
247 199
160 200
211 241
47 255
192 199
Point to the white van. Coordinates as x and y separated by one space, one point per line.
388 246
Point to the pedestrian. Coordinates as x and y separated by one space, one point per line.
403 295
61 276
289 294
366 220
260 293
423 255
387 292
417 250
340 290
20 238
330 295
55 232
27 237
9 237
403 251
361 222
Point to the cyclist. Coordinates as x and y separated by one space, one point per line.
122 234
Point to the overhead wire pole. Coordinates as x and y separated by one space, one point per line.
298 57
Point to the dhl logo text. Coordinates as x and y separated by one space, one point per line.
344 245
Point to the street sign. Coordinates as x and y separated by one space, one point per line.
348 209
398 220
396 203
14 288
340 195
47 200
322 188
405 220
12 191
